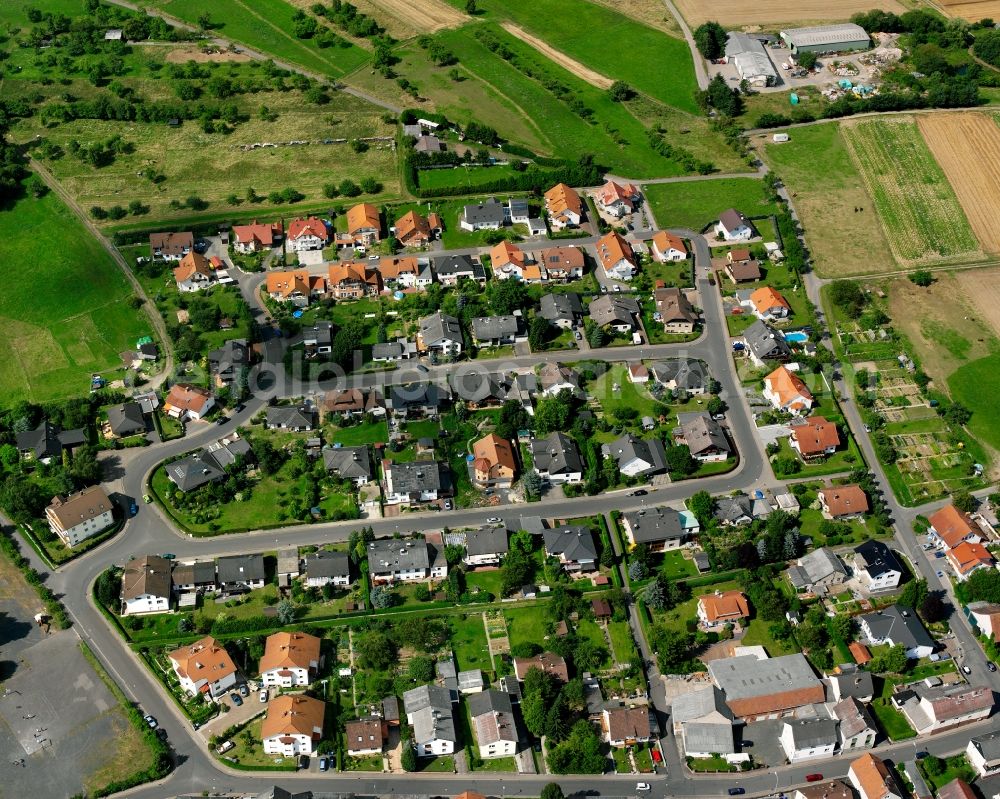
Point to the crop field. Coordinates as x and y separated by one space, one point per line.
974 11
967 146
63 308
697 203
762 12
425 16
817 168
919 211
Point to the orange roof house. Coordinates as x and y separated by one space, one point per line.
841 501
289 655
965 557
256 236
351 280
494 460
616 256
817 437
564 206
402 269
548 662
871 778
296 284
769 304
785 391
185 399
413 229
193 272
504 255
562 263
951 526
859 652
668 247
363 222
292 720
722 607
203 667
617 199
308 231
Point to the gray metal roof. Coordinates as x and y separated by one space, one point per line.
565 305
702 703
750 56
574 542
488 212
487 541
556 454
655 524
485 328
822 563
844 33
745 677
429 707
472 678
766 342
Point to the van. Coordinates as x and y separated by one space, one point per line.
224 747
780 137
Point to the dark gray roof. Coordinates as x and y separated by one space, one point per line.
485 328
766 342
200 572
415 477
194 471
574 542
685 373
127 419
234 354
518 207
565 305
703 434
655 524
821 563
440 326
290 416
455 264
488 212
532 524
489 701
557 454
240 568
387 350
328 564
854 683
878 558
416 395
731 509
899 625
988 745
390 708
390 555
348 462
47 440
321 332
487 541
613 309
479 386
811 733
732 219
226 450
707 719
650 450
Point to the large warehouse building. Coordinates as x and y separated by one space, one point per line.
751 59
826 39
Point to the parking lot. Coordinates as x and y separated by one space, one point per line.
233 714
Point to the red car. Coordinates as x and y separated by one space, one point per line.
813 777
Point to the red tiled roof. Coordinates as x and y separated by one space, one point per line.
952 525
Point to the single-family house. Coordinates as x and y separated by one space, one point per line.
126 420
240 573
353 402
685 375
563 206
674 310
721 608
843 502
932 709
195 577
638 373
815 437
171 246
734 226
897 625
391 560
983 752
486 546
734 511
393 351
819 572
203 667
616 257
450 269
966 558
366 736
295 286
296 418
349 463
493 723
950 526
562 310
352 280
194 272
290 660
363 224
256 236
741 267
626 726
808 738
493 462
487 215
957 789
185 401
857 728
495 331
293 725
986 616
766 688
328 568
440 333
230 364
415 481
208 464
146 585
704 437
618 200
554 378
768 304
574 545
307 234
518 210
616 312
765 344
414 230
666 247
786 391
562 263
872 778
318 338
406 400
638 457
548 662
557 459
704 723
47 441
876 566
429 712
81 515
660 528
510 261
428 144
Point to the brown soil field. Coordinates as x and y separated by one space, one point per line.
424 16
563 60
982 288
649 12
184 53
967 146
971 11
762 12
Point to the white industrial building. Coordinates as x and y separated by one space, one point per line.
752 62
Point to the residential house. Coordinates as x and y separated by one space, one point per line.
295 286
843 502
429 712
256 236
510 261
349 463
554 378
393 351
666 247
722 608
240 573
563 206
950 526
627 726
602 609
819 572
897 625
734 511
617 200
966 558
684 375
733 226
47 441
296 418
704 437
391 560
548 662
196 577
230 364
290 660
786 391
957 789
307 234
415 230
562 310
79 516
363 224
574 546
366 736
450 269
765 344
318 339
487 215
494 463
660 528
428 144
416 481
517 210
557 459
293 725
704 722
830 789
352 280
872 778
766 688
194 272
983 752
185 401
986 616
616 312
495 331
486 546
616 257
808 738
146 585
352 402
482 390
126 420
493 723
675 311
405 272
815 437
741 267
930 710
407 400
638 373
858 729
876 566
562 263
171 246
441 334
209 463
768 304
328 568
203 667
638 457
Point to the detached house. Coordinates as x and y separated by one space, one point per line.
328 568
616 312
47 442
806 739
816 437
494 463
230 363
349 463
951 526
290 660
966 558
843 502
79 516
366 737
496 331
510 261
194 273
307 234
557 459
256 236
429 712
392 560
617 200
563 206
898 625
872 779
721 608
146 585
764 344
819 572
296 286
660 528
562 310
574 546
667 247
293 725
562 263
876 566
857 727
548 662
240 573
768 304
486 546
126 420
733 226
983 752
786 391
290 417
406 272
637 457
450 269
616 257
204 667
440 333
352 280
363 224
487 215
931 710
741 267
675 310
185 401
417 481
626 726
493 723
171 246
414 230
704 437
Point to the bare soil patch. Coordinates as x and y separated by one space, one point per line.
982 289
968 147
971 11
424 16
563 60
761 12
185 53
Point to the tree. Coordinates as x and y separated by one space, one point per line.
553 413
843 627
987 46
812 636
285 611
655 595
552 791
806 60
913 593
580 753
538 332
672 647
109 587
471 9
620 91
722 98
964 501
716 406
532 484
375 650
983 585
507 296
922 278
702 505
710 38
381 597
408 760
35 186
848 296
892 660
420 669
679 460
636 570
933 608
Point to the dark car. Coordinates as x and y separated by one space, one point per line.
640 493
737 791
161 734
991 665
236 699
244 689
240 408
222 420
813 777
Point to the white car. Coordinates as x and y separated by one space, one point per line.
494 520
262 696
642 786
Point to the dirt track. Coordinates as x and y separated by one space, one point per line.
563 60
741 12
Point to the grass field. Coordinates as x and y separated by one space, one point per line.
64 308
698 203
465 176
974 385
816 167
919 211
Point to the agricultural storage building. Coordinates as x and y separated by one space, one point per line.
826 38
751 59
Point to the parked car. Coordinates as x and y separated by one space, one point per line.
222 420
152 722
147 498
161 734
813 777
262 696
966 670
639 493
239 408
244 689
494 520
322 763
576 334
642 786
236 699
225 747
737 791
448 504
991 665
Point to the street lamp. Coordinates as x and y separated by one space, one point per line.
324 689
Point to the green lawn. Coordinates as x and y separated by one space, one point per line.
496 764
697 204
442 764
710 764
843 460
892 721
622 643
525 625
591 630
464 176
628 395
757 634
490 581
973 385
64 308
956 767
468 641
675 565
364 433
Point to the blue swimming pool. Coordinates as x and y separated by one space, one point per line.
796 337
